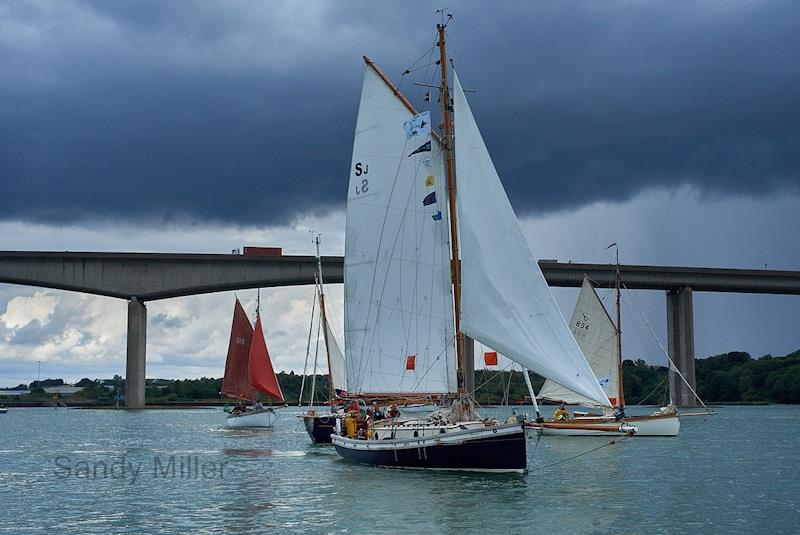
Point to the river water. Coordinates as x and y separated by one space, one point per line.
181 471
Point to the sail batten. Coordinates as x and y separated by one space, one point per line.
506 302
398 291
597 338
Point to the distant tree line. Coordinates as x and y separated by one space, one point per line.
730 377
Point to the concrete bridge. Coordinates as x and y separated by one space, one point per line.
142 277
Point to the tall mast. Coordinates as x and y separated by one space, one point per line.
621 401
331 390
455 263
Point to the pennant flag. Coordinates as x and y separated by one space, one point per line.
411 362
419 125
425 147
490 358
437 216
429 181
429 199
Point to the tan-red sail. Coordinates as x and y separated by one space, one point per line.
236 383
262 375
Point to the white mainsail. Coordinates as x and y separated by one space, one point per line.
597 337
398 288
338 373
506 303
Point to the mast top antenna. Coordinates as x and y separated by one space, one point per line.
444 12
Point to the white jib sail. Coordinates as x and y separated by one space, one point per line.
506 303
597 338
398 290
337 371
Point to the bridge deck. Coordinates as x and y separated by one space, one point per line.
151 276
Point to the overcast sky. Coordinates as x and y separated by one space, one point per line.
671 128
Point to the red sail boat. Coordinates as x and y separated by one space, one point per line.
248 371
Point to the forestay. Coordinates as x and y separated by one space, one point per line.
506 303
398 289
597 337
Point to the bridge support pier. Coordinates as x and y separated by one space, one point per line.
469 365
135 365
680 345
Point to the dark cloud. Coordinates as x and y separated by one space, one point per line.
244 112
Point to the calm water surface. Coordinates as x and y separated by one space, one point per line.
61 471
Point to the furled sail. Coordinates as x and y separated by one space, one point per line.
398 289
597 338
338 373
262 375
235 383
506 303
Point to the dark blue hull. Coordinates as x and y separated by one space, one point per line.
484 452
320 427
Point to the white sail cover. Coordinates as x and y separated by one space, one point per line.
398 290
337 372
597 338
506 303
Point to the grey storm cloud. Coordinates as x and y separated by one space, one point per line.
243 112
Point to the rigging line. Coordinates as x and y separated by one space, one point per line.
411 68
533 453
308 347
430 366
495 375
633 299
561 461
398 235
362 363
661 382
316 357
461 64
508 386
417 234
419 241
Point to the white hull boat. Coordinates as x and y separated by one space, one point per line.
254 418
570 429
656 426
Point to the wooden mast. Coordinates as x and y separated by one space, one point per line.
621 401
331 390
455 263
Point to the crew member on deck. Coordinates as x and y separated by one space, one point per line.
394 412
353 407
561 413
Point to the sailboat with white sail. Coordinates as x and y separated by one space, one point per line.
320 425
248 372
412 293
601 341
